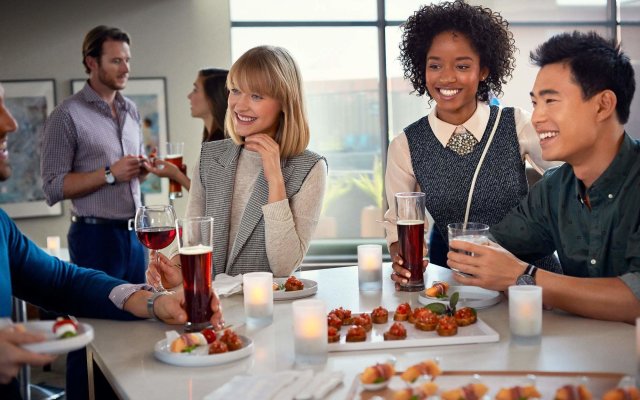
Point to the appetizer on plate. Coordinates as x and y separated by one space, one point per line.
363 320
65 327
397 331
402 312
518 393
427 320
438 290
422 391
379 373
379 315
416 313
466 316
333 320
429 367
468 392
447 326
217 347
356 334
231 339
292 284
573 392
622 393
333 335
344 315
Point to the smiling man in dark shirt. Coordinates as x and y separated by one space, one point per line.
588 210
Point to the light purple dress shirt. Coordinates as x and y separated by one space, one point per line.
81 135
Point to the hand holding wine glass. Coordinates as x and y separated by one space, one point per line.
155 227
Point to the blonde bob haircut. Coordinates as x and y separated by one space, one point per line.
271 71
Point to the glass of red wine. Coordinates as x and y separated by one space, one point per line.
156 228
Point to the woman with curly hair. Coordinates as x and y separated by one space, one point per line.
466 156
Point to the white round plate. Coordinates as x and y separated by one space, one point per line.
195 359
470 296
53 345
310 288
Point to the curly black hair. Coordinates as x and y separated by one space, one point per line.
486 30
596 64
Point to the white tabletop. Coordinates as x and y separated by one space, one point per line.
124 350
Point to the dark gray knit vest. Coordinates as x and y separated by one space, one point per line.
445 177
218 162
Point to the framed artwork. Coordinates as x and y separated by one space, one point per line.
150 97
30 102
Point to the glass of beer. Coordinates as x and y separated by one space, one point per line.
410 212
174 156
195 244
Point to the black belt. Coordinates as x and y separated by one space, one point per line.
118 223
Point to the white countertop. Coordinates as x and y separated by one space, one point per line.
124 350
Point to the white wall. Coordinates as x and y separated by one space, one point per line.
170 38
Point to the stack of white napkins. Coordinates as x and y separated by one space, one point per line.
226 285
284 385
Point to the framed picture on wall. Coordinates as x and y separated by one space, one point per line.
150 97
30 102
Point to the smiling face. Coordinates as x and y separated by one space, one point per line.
453 73
198 100
7 125
566 123
111 71
253 113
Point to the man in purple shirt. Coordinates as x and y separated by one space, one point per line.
92 153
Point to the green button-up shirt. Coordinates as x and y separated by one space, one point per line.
603 241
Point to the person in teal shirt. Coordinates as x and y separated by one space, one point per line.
587 210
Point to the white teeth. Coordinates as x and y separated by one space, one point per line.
245 119
547 135
449 92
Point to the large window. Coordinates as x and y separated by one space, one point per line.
346 48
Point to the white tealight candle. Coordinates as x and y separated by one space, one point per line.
525 313
53 245
370 267
258 297
310 331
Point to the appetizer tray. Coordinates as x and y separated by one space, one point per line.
200 356
546 382
310 288
479 332
53 345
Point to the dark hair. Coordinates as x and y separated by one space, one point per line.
486 30
215 90
596 64
93 40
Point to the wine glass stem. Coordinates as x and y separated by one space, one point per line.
159 286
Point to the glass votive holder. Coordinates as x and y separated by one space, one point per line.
310 331
53 245
525 314
370 267
258 298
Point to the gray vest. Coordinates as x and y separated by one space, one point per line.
218 162
445 177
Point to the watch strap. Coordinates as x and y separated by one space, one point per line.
151 302
531 270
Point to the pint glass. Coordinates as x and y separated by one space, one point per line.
174 156
410 212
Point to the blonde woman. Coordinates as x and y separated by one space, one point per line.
262 186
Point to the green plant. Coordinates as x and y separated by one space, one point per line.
336 188
372 184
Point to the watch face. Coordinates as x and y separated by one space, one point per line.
525 279
110 178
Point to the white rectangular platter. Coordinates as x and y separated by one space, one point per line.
479 332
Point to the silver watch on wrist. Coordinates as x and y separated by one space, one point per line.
528 277
151 302
108 176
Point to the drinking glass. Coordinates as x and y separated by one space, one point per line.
174 156
472 232
410 213
155 228
195 245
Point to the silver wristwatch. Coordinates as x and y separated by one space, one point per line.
109 177
528 277
150 303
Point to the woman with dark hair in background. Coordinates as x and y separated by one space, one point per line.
208 102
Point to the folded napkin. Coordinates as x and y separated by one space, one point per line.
226 285
284 385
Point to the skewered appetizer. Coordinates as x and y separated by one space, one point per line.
429 367
625 393
356 334
380 315
333 320
377 373
402 312
466 316
65 327
293 284
363 320
518 393
571 392
333 335
344 315
439 290
427 321
447 326
416 313
397 331
231 339
468 392
186 342
421 392
276 287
